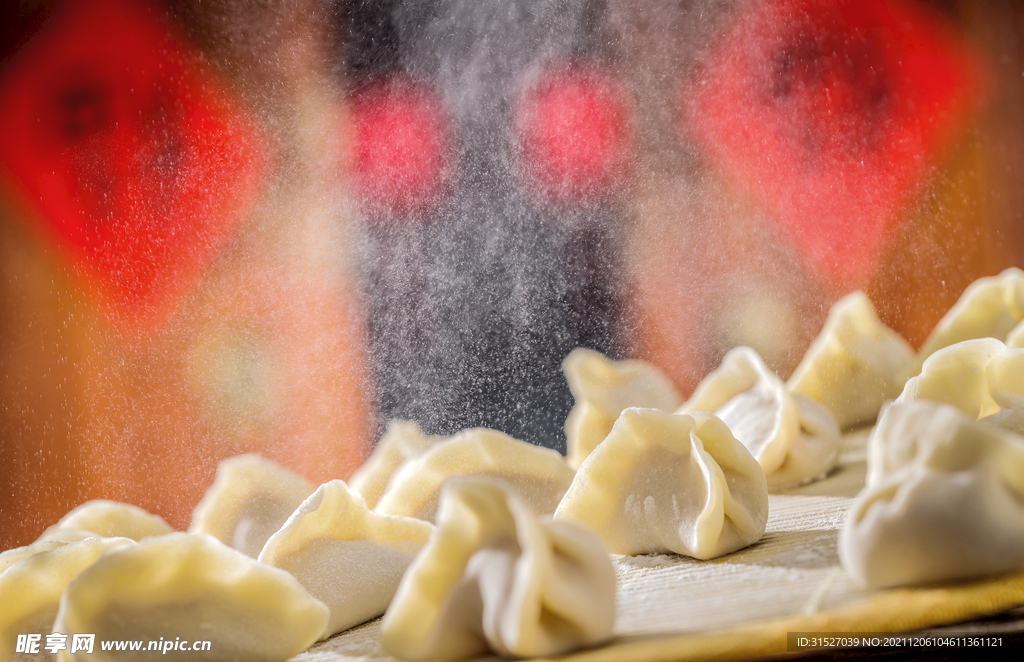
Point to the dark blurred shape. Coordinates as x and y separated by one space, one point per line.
474 306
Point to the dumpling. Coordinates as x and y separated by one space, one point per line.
192 587
11 556
944 500
988 308
345 555
603 388
983 378
795 439
249 500
539 475
107 519
31 588
956 375
670 483
402 441
495 577
855 364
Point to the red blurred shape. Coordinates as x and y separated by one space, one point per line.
575 127
401 146
833 112
136 162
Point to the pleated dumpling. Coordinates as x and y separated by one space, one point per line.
11 556
855 364
345 555
795 439
539 475
602 389
402 441
31 587
194 588
249 500
670 483
956 375
496 578
944 500
988 308
983 378
107 519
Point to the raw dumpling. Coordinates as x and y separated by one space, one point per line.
191 587
983 378
496 578
670 483
250 500
944 500
539 475
15 554
108 519
795 439
31 588
956 375
402 441
989 308
1015 338
603 388
345 555
855 364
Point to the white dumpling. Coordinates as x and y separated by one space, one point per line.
403 440
539 475
794 439
988 308
955 375
855 364
496 578
31 587
249 500
11 556
345 555
670 483
1015 338
192 587
602 389
944 500
1004 378
983 378
107 519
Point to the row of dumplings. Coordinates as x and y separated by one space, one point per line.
452 547
491 576
944 492
481 542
